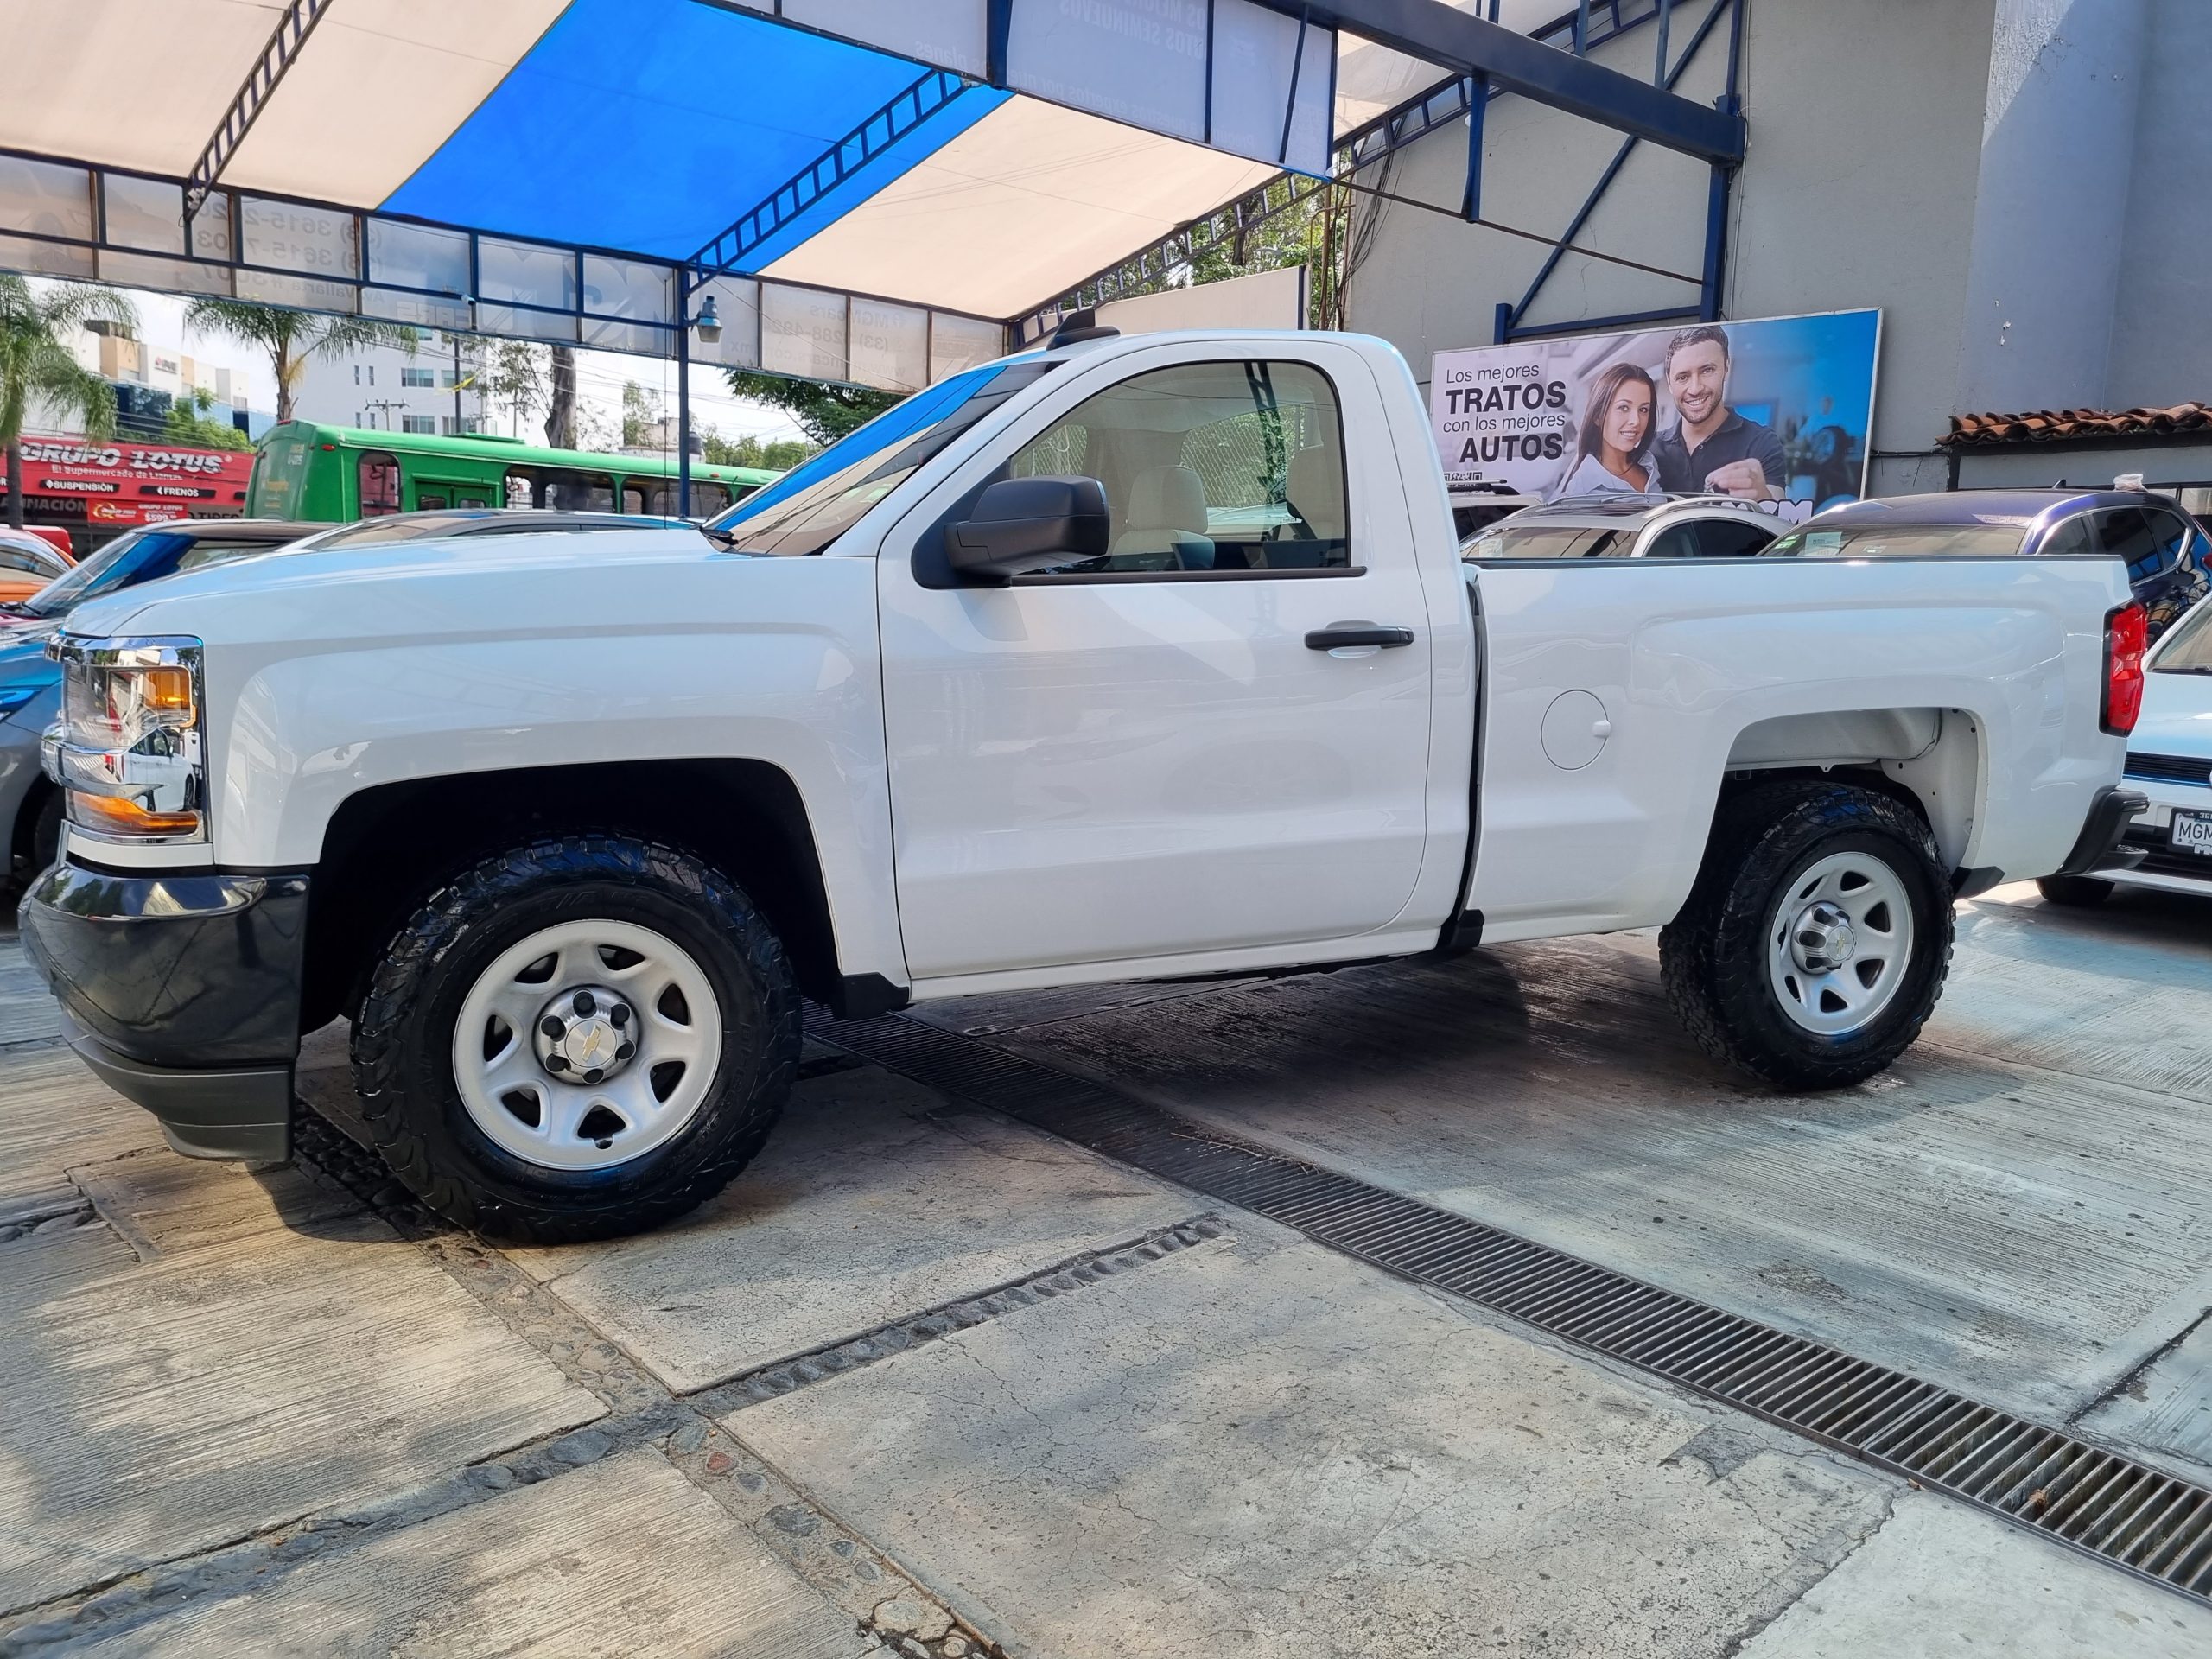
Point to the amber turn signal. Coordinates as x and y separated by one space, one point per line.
121 817
166 691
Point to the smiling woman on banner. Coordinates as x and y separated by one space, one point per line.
1612 449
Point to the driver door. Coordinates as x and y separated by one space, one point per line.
1142 757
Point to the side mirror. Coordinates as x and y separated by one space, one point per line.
1020 525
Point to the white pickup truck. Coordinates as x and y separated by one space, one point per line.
1128 658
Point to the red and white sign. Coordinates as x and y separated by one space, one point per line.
124 483
132 513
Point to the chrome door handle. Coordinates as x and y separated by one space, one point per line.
1342 634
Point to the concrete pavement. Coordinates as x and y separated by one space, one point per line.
928 1380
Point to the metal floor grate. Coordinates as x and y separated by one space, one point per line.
2154 1525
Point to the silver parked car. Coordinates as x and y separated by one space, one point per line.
1628 527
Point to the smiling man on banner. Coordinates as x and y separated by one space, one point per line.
1711 446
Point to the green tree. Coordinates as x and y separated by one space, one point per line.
561 400
291 338
188 422
514 378
824 412
34 364
641 417
777 455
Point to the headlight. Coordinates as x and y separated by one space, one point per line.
129 749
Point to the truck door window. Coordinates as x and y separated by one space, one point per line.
1209 467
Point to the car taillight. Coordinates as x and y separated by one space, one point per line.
2127 631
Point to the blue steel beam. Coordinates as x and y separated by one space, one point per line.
1364 147
1467 45
294 24
1510 327
914 104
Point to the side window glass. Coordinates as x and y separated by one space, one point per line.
380 476
12 559
2071 539
633 498
1728 538
521 490
577 493
1233 465
2127 534
1675 542
209 551
708 499
2171 537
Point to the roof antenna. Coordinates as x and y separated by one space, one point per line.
1078 326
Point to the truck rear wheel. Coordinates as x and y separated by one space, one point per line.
1816 940
578 1039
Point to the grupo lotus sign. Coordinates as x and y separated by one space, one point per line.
124 483
1775 410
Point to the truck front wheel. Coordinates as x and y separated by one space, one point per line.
578 1039
1816 940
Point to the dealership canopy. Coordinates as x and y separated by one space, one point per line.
869 190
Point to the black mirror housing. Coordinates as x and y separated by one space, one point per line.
1020 525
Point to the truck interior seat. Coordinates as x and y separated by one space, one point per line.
1166 524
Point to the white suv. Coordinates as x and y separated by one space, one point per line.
1628 527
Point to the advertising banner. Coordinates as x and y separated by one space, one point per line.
119 482
1775 410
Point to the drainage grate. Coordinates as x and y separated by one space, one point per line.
2127 1513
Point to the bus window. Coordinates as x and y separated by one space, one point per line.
633 498
577 493
522 490
380 476
434 495
707 498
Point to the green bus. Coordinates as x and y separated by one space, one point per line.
334 474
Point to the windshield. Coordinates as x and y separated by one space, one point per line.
139 556
280 474
819 500
1879 540
1540 541
2188 649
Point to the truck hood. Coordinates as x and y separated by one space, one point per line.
442 576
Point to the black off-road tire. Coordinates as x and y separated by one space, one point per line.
1713 955
402 1037
2075 892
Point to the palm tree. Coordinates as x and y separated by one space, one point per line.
291 338
34 363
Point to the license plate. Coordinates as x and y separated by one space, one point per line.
2192 832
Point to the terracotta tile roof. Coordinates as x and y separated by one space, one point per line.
2058 425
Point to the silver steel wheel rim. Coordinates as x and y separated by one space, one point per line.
1839 942
500 1044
